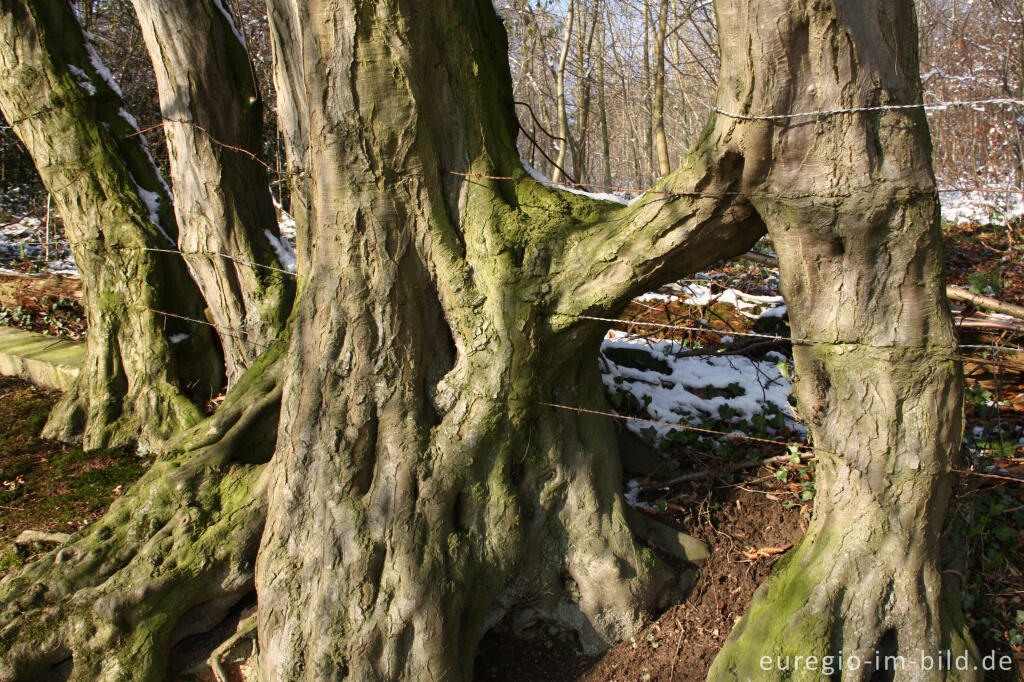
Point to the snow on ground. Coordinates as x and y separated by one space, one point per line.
746 304
696 390
981 207
24 239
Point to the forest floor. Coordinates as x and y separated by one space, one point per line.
749 515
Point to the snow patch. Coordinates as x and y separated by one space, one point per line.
285 252
83 80
152 202
655 297
600 196
778 311
737 387
101 68
632 496
746 304
23 240
981 207
231 22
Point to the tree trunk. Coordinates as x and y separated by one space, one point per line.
425 484
142 366
602 105
850 203
422 491
292 119
213 118
558 174
584 82
658 114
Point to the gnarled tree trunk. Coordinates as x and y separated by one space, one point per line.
422 489
850 202
213 118
142 366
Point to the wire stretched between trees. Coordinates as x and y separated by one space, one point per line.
674 327
927 106
240 261
792 445
673 193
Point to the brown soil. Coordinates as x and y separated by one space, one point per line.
46 485
747 528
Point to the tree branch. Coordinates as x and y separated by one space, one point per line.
697 217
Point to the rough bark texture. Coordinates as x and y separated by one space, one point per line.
284 19
56 94
850 203
213 118
421 492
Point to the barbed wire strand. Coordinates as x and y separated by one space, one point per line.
706 330
735 435
520 179
927 106
240 261
770 337
685 427
231 331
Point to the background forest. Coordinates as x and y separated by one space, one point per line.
628 84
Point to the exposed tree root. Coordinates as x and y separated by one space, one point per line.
246 629
168 560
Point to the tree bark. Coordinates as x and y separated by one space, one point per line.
588 20
558 174
142 367
658 113
606 155
850 203
292 117
424 485
213 119
421 490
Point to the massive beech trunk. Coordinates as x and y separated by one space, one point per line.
850 203
213 118
424 487
142 367
421 489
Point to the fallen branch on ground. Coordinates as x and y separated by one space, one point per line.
27 537
738 466
954 293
